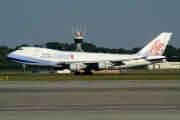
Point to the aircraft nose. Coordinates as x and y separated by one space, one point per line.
9 56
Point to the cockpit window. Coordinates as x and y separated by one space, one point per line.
20 49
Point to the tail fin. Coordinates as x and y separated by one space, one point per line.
157 46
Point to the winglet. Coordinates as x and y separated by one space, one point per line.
157 46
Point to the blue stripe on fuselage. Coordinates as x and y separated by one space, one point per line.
20 60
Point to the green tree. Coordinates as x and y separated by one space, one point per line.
41 46
88 47
54 45
72 47
23 45
170 52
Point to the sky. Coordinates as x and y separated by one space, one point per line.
109 23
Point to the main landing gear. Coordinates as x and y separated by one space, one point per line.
83 73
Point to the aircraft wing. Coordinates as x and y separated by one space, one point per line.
114 61
97 61
155 58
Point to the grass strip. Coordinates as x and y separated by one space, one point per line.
95 77
128 75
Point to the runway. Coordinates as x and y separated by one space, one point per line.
102 100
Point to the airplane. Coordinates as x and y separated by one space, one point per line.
86 62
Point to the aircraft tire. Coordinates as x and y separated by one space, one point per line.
77 73
88 73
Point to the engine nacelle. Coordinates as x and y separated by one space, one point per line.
74 67
103 65
60 67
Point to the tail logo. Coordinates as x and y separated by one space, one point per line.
157 47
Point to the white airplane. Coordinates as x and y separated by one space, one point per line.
76 61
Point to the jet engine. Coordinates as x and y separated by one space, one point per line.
77 67
104 65
74 67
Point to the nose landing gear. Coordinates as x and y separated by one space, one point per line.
24 68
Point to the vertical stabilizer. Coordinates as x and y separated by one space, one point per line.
157 46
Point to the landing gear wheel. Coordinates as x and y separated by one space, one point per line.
77 73
83 73
91 73
24 68
88 73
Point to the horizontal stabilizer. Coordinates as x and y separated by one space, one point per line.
155 58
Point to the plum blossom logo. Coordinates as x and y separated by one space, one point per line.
157 47
72 56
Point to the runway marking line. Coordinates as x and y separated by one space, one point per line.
107 90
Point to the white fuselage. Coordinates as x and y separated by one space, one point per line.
55 58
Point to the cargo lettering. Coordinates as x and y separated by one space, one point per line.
62 56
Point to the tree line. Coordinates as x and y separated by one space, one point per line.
172 54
